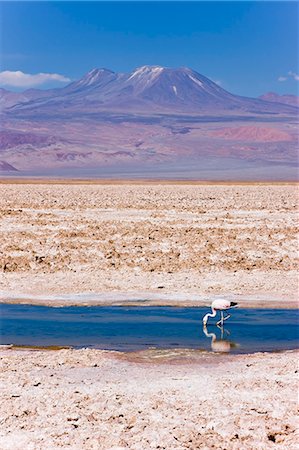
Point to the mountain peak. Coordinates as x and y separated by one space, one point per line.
98 71
152 71
94 76
149 69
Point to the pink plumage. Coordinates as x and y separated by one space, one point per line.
219 305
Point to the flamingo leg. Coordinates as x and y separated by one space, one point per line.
221 320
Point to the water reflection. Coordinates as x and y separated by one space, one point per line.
220 344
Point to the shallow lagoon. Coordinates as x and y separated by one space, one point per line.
136 328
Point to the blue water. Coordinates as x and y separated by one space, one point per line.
135 328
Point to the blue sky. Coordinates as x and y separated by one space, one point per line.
246 46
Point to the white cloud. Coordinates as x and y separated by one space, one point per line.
26 80
294 75
290 74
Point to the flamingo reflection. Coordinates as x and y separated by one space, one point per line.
219 345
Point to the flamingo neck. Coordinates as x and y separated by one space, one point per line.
212 314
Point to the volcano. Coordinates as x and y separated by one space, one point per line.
152 122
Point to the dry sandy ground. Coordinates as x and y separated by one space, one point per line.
167 244
90 399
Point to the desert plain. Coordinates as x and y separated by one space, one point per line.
183 243
100 243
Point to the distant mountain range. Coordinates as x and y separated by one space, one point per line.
149 88
287 99
151 120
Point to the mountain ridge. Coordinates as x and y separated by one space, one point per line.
288 99
147 88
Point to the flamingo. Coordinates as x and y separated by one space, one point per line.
219 305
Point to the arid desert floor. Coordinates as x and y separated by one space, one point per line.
170 244
165 243
90 399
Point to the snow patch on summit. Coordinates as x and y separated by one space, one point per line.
150 71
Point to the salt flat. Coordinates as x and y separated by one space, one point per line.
169 243
91 399
173 244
